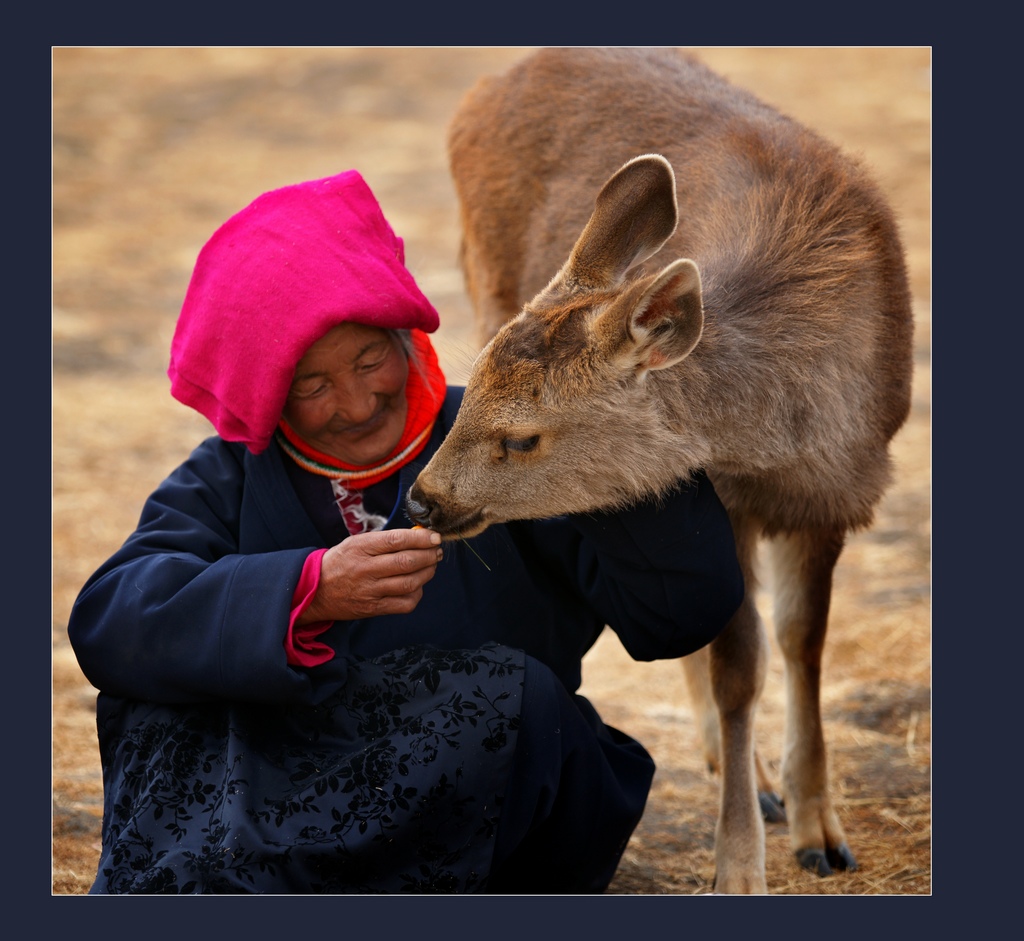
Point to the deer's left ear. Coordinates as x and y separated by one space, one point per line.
660 320
634 215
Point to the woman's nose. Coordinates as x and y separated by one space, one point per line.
356 402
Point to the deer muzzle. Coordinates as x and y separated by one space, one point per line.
429 509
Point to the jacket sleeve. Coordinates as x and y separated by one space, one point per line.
177 614
663 574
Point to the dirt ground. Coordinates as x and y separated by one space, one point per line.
153 148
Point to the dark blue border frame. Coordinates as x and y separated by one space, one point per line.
971 564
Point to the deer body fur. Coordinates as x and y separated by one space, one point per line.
734 300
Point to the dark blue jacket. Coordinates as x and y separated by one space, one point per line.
195 604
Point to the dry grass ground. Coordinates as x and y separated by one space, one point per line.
153 148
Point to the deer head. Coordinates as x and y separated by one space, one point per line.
559 414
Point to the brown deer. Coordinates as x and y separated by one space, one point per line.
737 301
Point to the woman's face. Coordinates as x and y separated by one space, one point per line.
347 398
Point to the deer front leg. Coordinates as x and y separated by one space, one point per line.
738 660
803 564
697 670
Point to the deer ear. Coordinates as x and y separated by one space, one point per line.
634 215
664 322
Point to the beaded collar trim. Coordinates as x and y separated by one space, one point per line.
317 463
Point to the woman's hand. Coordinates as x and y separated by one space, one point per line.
374 573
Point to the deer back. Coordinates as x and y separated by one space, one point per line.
734 299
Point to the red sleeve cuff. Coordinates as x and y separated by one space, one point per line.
300 643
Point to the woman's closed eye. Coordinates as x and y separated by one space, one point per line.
308 389
371 366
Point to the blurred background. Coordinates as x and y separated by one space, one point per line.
153 148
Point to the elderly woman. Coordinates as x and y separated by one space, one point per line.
301 693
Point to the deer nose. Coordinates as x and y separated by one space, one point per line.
417 506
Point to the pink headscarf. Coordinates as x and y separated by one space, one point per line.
272 281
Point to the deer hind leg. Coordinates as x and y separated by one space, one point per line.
697 671
487 285
738 660
802 565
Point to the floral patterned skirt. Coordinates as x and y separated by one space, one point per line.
394 784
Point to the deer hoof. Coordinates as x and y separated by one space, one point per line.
814 861
771 807
842 859
824 864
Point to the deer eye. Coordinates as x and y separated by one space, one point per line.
522 445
